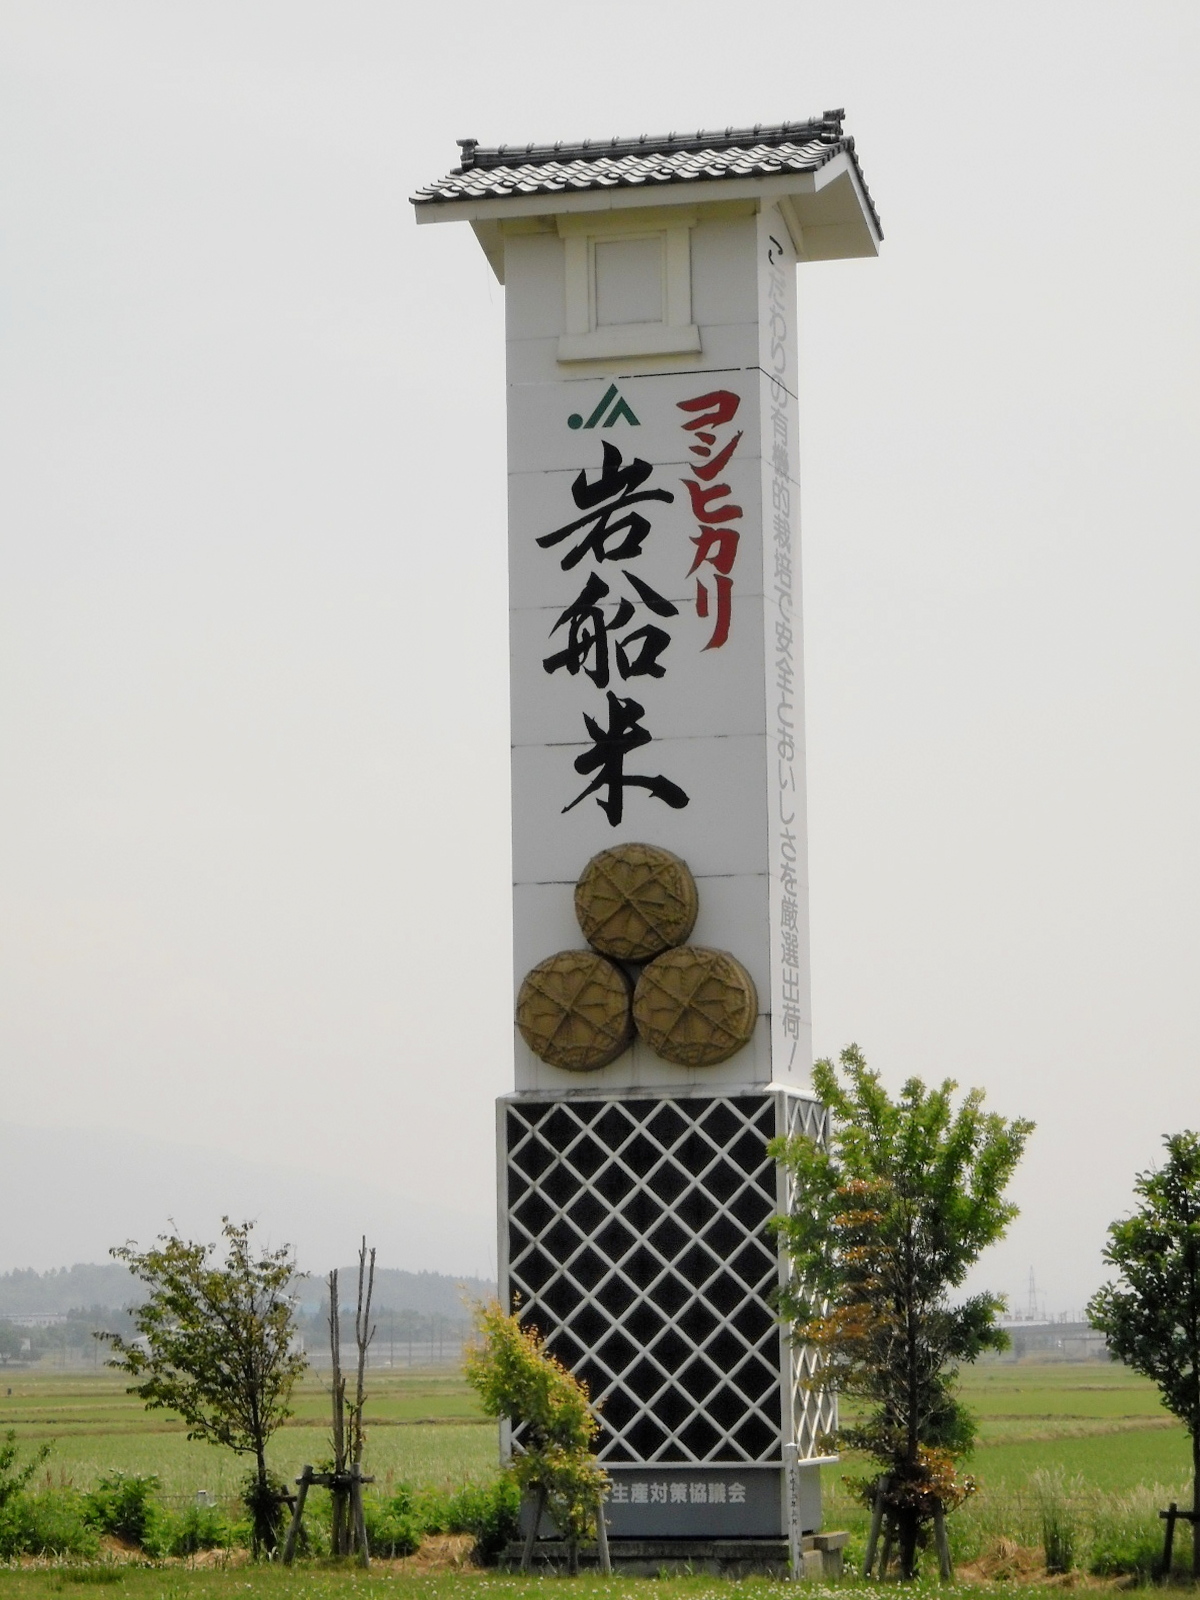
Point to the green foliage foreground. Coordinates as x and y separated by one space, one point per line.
516 1378
64 1522
1151 1314
884 1224
215 1345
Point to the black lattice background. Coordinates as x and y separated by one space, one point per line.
637 1244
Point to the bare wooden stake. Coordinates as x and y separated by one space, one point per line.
1169 1516
885 1559
364 1332
339 1531
293 1533
873 1535
539 1506
941 1538
602 1538
360 1522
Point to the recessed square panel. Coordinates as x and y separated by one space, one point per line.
723 1180
569 1351
561 1240
614 1239
534 1269
559 1129
754 1320
696 1208
700 1378
724 1236
646 1438
618 1354
697 1322
629 280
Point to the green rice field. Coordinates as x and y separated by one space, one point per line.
1099 1420
1095 1428
425 1426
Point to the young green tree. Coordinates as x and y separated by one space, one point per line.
15 1479
515 1377
1151 1314
884 1224
214 1343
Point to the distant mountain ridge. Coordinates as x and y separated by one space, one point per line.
25 1292
430 1293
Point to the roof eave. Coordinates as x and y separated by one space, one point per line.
830 207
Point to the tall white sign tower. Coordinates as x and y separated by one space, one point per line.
660 891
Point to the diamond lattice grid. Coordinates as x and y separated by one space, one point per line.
638 1245
814 1410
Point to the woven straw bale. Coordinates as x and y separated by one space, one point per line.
635 901
695 1007
574 1011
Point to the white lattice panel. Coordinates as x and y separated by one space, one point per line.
638 1243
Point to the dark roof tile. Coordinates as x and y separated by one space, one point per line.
513 170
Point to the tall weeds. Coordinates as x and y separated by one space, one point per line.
1074 1525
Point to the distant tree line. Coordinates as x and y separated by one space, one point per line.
109 1286
401 1335
405 1337
23 1342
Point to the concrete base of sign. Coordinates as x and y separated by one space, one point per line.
720 1558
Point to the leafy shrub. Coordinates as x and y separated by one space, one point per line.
50 1523
393 1528
124 1504
267 1508
197 1528
515 1376
490 1511
13 1479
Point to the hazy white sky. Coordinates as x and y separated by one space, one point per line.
253 764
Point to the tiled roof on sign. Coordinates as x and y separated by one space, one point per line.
516 171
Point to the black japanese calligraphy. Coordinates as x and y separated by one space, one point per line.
606 759
588 631
605 524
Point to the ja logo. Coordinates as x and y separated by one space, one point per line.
620 408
